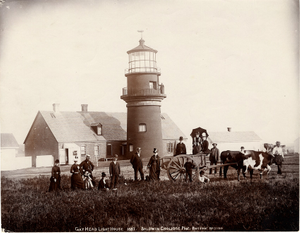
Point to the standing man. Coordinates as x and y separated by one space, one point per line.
180 148
279 156
214 157
114 172
87 165
137 163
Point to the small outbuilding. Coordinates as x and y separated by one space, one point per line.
234 140
9 152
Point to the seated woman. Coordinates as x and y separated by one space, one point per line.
76 180
87 180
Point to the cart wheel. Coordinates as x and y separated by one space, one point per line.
176 169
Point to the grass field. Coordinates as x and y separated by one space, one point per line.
268 204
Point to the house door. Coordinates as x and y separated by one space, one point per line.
67 156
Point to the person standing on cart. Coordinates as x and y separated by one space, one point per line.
180 148
214 157
197 144
205 144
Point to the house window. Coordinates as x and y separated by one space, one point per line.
142 127
130 148
109 149
170 148
99 130
83 150
96 150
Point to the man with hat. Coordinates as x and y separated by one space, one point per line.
205 144
137 163
214 157
180 148
279 156
154 166
102 183
114 172
87 165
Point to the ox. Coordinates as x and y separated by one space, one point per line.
234 159
258 160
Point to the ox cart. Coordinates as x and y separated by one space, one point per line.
174 165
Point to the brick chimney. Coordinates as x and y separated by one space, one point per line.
56 107
229 129
84 107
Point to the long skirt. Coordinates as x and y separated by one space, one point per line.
54 185
154 172
76 181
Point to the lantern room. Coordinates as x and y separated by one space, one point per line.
142 59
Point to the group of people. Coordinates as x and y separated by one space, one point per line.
153 165
200 144
82 177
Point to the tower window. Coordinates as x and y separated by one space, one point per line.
152 85
142 127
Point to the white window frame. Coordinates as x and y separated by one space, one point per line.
142 127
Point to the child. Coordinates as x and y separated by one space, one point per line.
189 170
102 183
87 180
203 178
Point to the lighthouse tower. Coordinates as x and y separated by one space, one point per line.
143 96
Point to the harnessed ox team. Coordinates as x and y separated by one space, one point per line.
252 160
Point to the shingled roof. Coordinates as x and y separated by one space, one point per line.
8 141
234 137
76 126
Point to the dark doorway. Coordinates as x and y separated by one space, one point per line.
67 156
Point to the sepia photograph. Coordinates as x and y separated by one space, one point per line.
149 116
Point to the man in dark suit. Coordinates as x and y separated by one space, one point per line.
137 163
114 171
180 148
214 157
87 165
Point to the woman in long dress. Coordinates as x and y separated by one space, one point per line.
55 177
76 179
154 166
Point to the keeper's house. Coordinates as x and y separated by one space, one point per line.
66 135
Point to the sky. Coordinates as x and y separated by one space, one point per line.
224 63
